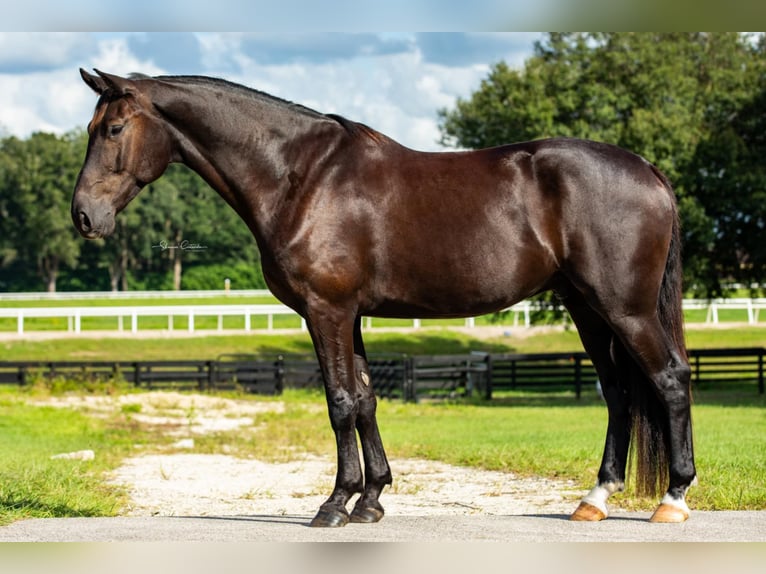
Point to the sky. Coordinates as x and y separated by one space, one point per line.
394 82
348 57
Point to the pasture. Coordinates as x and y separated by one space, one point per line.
531 433
432 339
526 433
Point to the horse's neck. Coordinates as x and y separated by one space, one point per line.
245 148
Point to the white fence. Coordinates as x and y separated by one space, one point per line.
751 306
74 315
127 316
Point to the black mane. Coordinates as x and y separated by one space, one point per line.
352 127
237 88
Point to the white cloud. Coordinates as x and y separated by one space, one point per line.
39 51
395 83
115 57
57 100
39 102
398 94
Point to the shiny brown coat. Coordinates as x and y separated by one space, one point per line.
351 223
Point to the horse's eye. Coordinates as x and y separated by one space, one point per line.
115 129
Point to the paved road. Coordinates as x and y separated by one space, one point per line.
623 527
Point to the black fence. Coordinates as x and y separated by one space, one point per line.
408 378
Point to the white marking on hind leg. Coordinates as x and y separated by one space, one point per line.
679 502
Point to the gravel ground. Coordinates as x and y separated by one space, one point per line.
222 485
195 484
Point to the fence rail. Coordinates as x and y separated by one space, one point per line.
393 376
127 316
75 315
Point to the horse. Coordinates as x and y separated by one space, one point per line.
350 223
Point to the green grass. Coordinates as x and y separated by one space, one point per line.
209 347
423 342
530 434
560 437
527 433
34 485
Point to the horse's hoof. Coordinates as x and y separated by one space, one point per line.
587 513
367 514
669 513
329 518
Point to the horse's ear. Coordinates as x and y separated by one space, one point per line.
114 83
96 83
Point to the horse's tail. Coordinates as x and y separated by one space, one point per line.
650 433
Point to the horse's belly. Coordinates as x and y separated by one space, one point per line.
451 289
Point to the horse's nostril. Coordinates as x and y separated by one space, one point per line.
84 221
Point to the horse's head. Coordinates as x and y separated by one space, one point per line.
129 146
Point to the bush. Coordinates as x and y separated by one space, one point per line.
241 275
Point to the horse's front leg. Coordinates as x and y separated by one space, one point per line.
331 331
377 473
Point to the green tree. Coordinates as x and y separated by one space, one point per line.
728 174
36 179
40 249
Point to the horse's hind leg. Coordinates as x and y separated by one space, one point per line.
609 360
377 472
669 376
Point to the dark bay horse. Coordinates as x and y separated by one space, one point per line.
350 223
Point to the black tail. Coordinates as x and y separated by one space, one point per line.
650 435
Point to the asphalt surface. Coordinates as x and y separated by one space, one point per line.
720 526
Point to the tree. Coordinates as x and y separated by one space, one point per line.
666 96
177 222
37 176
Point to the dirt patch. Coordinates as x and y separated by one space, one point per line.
221 485
195 484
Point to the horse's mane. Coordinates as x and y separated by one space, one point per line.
353 128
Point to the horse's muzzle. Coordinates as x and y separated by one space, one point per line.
92 220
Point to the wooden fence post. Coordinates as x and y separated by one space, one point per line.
488 380
409 393
578 376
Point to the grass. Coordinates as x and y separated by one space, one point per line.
540 434
556 436
422 342
564 439
209 347
34 485
530 434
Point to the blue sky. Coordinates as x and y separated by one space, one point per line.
394 82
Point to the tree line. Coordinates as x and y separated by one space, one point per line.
692 103
177 234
